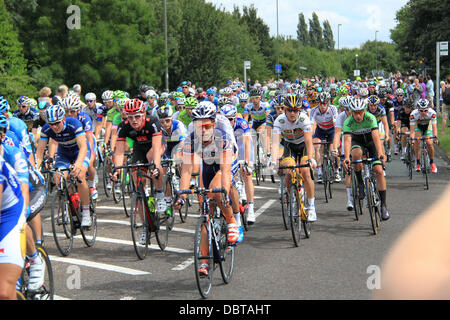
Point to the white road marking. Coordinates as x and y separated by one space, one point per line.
97 265
127 223
266 188
264 207
183 265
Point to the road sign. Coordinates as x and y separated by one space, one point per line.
303 68
247 65
443 48
278 68
356 73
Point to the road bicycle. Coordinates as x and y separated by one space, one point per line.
327 170
66 214
425 167
409 155
296 203
144 219
211 225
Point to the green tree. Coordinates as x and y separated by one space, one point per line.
14 81
328 36
302 30
315 33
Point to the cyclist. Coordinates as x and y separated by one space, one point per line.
72 106
339 140
243 100
185 116
212 143
296 130
423 123
246 158
403 123
398 103
311 95
25 112
146 134
174 132
389 108
151 103
96 112
73 152
40 121
379 112
323 119
361 133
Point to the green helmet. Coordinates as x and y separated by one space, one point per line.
190 103
119 94
343 90
178 94
121 103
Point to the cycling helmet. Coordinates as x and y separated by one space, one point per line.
364 92
373 100
210 91
134 106
223 101
423 104
150 94
399 92
4 105
243 97
121 103
178 95
272 86
4 123
107 95
227 91
228 111
292 101
358 104
144 88
255 93
323 97
343 90
190 103
279 100
71 103
409 102
90 96
199 90
181 102
23 101
204 110
119 94
43 105
162 101
55 113
345 101
382 95
164 112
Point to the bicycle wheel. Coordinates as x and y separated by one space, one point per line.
47 290
185 209
295 221
204 283
307 226
325 178
330 179
89 234
357 205
409 161
139 227
243 208
371 205
226 252
117 196
62 224
162 228
106 178
127 191
169 189
284 203
424 162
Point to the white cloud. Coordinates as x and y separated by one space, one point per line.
374 21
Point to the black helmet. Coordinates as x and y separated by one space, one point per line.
255 93
292 101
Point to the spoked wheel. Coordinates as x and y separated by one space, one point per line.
284 199
107 183
357 204
370 200
89 234
185 209
139 227
127 191
162 228
169 189
117 194
243 208
307 226
226 252
325 178
204 283
295 221
62 224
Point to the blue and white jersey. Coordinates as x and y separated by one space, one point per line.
86 121
67 138
16 159
28 118
242 130
258 115
11 139
12 193
96 114
178 134
20 129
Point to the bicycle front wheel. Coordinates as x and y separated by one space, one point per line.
204 283
47 290
371 205
62 224
107 183
226 252
284 199
89 234
294 216
139 227
127 191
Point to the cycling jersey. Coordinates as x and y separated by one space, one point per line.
341 119
184 118
97 113
379 113
404 118
293 132
28 117
16 159
242 130
177 135
271 118
397 106
326 120
86 121
361 133
111 113
258 115
423 123
20 129
67 142
12 218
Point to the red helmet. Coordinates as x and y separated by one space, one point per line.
134 106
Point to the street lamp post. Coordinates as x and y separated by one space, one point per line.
278 43
167 51
339 25
356 55
376 54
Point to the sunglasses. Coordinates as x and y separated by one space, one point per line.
90 101
293 110
23 106
207 126
135 116
107 101
424 111
165 120
358 112
185 87
54 124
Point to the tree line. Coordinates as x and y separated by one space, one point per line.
120 44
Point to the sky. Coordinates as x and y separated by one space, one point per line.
359 19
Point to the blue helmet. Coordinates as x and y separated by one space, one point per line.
55 113
4 105
228 111
210 91
4 124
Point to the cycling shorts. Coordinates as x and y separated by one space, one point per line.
424 130
324 135
295 151
12 235
64 160
140 153
369 146
256 124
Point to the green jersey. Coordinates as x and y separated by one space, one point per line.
184 118
362 130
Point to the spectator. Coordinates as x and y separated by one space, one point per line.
77 90
417 91
430 91
60 94
423 95
445 103
44 95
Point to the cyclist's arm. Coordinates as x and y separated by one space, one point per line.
155 151
90 138
99 127
40 152
377 142
113 138
412 128
347 145
108 131
386 127
82 145
337 138
118 152
225 168
268 140
309 144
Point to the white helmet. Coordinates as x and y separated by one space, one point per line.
107 95
71 103
150 94
204 110
358 104
228 111
90 96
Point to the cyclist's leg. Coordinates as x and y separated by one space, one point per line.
417 145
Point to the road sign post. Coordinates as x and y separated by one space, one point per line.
278 68
247 65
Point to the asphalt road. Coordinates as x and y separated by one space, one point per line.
337 262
